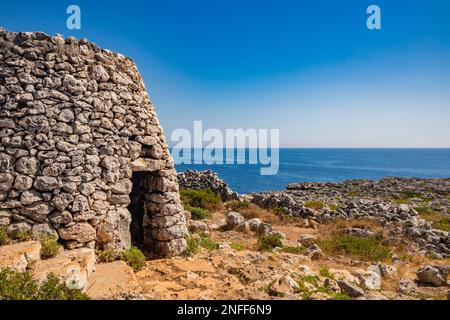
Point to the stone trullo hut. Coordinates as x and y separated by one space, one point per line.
82 154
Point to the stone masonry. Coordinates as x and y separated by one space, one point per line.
79 134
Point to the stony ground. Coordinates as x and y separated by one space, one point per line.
377 256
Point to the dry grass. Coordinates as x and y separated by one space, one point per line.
335 227
439 220
251 210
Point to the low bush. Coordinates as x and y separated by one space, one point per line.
207 243
316 205
439 220
4 239
280 211
107 255
49 246
134 258
237 246
24 235
368 249
325 272
198 213
205 199
406 196
442 224
192 245
294 249
314 280
16 285
269 242
335 207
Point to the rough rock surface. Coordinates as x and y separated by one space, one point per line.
114 280
19 256
76 124
391 201
197 180
74 267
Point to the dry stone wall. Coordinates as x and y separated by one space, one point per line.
75 123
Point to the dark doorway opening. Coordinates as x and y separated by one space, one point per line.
136 208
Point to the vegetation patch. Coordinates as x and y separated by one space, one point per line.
107 255
192 245
207 243
294 249
238 205
269 242
251 210
237 246
335 207
24 235
134 258
439 220
406 196
4 239
49 246
316 205
280 211
367 249
206 199
442 224
314 280
198 213
325 272
16 285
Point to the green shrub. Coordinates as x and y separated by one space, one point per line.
294 249
24 235
411 195
134 258
442 224
269 242
280 211
107 255
406 196
49 246
4 239
335 207
192 245
316 205
205 199
16 285
369 249
314 280
208 243
198 213
325 272
237 246
440 221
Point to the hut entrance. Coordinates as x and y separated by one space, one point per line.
136 207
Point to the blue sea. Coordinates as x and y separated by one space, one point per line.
333 165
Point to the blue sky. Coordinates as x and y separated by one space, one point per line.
310 68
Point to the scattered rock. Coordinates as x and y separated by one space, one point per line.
234 219
432 275
350 289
